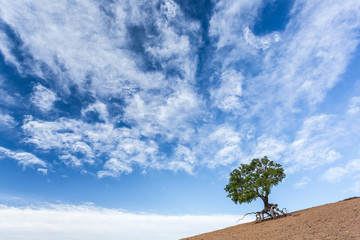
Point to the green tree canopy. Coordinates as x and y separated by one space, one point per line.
254 180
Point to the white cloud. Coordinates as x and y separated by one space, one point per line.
320 140
335 174
296 72
303 182
79 143
7 120
232 13
43 171
354 106
89 222
98 53
219 146
99 108
72 160
170 9
5 48
263 42
43 98
56 34
23 158
323 139
85 47
174 48
6 98
183 159
115 168
314 145
227 95
270 147
171 116
74 137
314 40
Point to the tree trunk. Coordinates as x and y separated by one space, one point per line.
267 205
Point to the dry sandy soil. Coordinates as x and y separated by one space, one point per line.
340 220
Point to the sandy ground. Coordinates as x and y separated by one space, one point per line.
340 220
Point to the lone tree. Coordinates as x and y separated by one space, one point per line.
254 180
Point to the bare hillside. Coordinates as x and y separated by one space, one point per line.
340 220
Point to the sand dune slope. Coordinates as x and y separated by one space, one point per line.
340 220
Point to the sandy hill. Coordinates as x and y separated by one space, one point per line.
340 220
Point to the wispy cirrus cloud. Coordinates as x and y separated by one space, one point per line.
43 98
312 40
219 146
227 96
5 48
77 40
25 159
354 107
79 143
171 116
260 42
294 69
269 146
303 182
7 120
335 174
321 140
145 61
7 99
315 144
229 14
137 61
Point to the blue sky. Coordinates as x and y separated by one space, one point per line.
146 106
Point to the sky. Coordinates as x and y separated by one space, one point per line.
125 117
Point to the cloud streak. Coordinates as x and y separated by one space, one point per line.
335 174
23 158
7 120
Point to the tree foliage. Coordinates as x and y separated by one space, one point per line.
254 180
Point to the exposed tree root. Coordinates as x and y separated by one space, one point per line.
270 212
